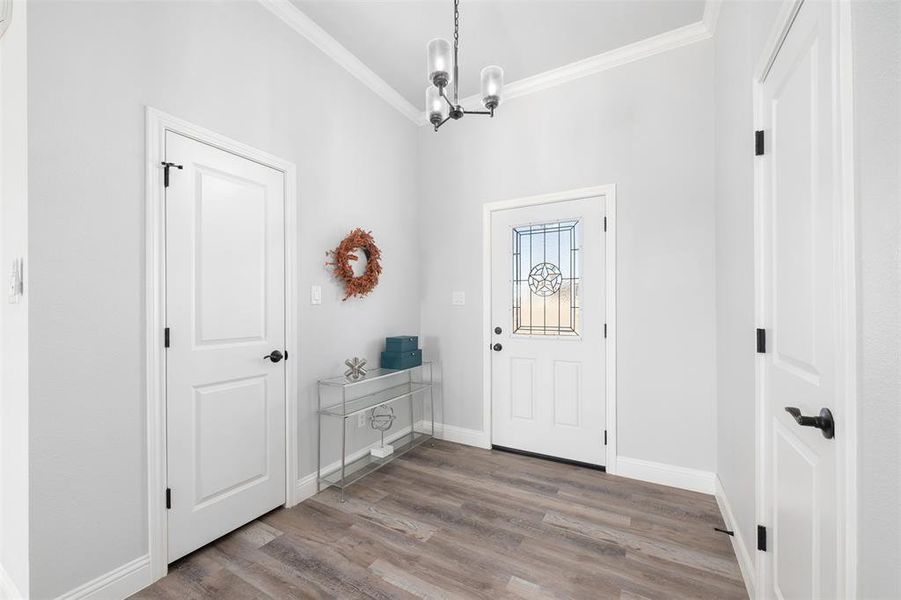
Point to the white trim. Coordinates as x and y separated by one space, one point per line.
157 124
846 292
297 20
847 318
305 26
684 478
128 579
608 193
711 14
664 42
8 589
745 563
462 435
306 486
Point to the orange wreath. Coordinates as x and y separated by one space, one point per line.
358 239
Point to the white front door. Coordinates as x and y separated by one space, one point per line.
798 238
225 304
547 320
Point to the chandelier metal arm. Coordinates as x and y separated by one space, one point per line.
448 100
446 119
479 112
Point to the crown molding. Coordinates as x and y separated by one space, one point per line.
664 42
711 14
305 26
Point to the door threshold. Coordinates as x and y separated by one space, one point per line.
565 461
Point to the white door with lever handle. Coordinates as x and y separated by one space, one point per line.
225 370
799 377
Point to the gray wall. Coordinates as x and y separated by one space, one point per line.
648 128
741 32
236 69
877 122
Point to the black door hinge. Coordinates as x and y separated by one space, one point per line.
605 223
166 337
605 330
758 143
168 498
761 341
166 167
761 538
605 437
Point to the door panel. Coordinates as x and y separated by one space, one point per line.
797 237
547 290
225 305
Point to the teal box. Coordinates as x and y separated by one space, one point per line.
402 360
401 343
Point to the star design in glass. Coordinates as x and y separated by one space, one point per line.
545 279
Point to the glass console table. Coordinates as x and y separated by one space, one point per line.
350 398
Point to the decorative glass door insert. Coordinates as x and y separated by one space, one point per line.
546 279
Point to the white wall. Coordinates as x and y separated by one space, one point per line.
234 68
13 317
876 31
648 128
741 32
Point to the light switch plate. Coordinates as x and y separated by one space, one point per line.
16 281
458 298
316 294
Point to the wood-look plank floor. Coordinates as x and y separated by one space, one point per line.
451 521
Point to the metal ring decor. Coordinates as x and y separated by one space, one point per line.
358 239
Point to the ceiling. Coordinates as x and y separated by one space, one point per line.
525 37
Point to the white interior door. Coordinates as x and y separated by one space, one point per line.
798 239
548 313
225 303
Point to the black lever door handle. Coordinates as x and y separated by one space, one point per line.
275 356
823 422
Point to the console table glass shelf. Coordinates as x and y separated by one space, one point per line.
388 386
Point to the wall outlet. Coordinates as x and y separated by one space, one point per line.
316 294
361 419
458 298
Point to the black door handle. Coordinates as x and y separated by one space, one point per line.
497 347
823 422
275 356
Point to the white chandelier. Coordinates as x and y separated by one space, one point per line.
443 70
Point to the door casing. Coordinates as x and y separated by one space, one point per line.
606 194
846 330
157 124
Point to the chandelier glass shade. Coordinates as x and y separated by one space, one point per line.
443 72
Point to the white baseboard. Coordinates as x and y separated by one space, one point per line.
115 585
681 477
8 589
306 486
738 543
461 435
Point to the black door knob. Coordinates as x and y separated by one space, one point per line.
275 356
823 422
497 347
498 330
